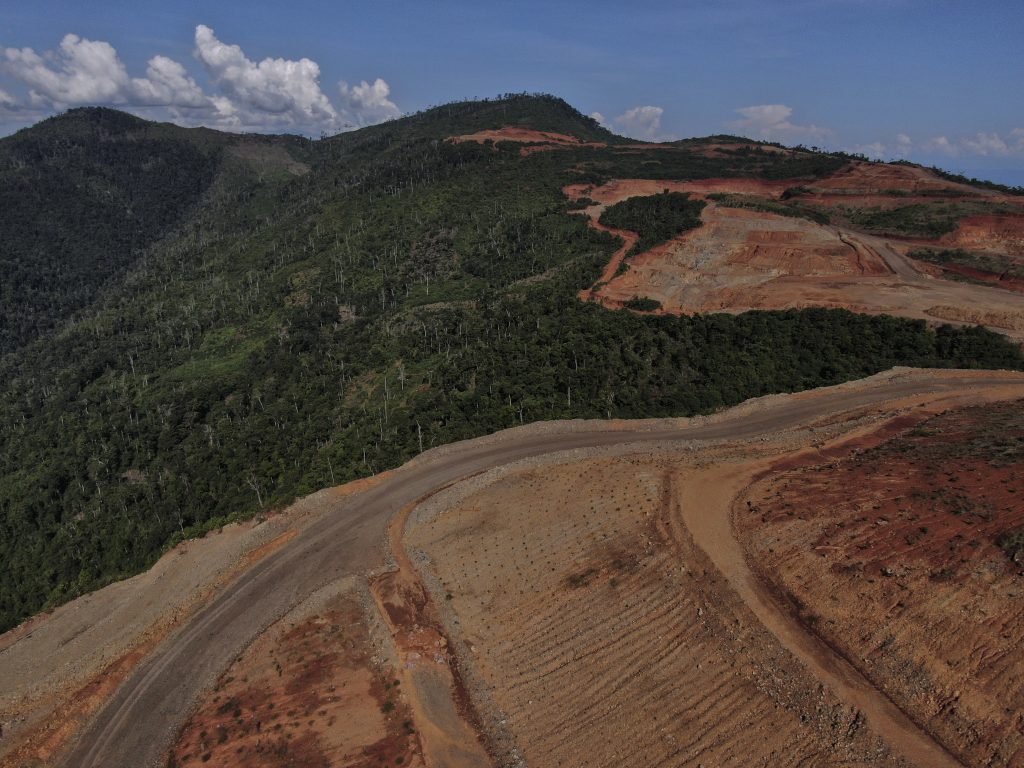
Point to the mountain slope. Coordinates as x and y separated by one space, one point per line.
84 194
290 330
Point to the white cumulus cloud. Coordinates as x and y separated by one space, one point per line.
282 91
368 103
241 94
980 144
771 121
86 71
81 71
168 84
986 144
641 122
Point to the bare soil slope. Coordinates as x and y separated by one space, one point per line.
600 599
59 668
892 554
602 640
742 259
536 141
314 691
571 589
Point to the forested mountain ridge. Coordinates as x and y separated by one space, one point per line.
83 195
299 314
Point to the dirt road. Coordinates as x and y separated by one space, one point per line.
715 490
136 726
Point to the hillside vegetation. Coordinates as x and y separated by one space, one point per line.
656 218
269 332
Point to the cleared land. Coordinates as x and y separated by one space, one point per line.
612 552
601 600
603 637
893 554
742 258
316 690
535 141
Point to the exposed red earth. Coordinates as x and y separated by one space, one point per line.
1004 234
712 148
601 598
60 668
312 691
473 667
890 552
742 259
538 141
874 183
602 593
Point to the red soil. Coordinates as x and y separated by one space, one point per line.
998 233
717 148
890 553
617 190
879 185
977 275
450 729
861 178
741 259
311 696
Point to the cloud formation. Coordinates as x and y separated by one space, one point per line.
641 122
272 94
90 72
368 103
771 121
980 144
637 123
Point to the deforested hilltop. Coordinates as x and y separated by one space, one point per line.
200 326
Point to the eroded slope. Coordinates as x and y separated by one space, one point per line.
600 638
317 690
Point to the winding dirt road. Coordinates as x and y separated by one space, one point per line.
137 725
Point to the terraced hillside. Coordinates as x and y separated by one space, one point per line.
857 245
603 636
601 598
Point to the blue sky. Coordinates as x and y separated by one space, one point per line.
938 82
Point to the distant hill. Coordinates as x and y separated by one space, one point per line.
196 326
83 195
